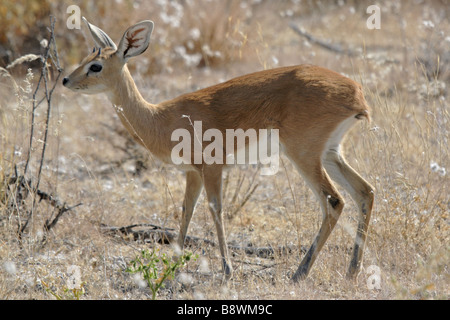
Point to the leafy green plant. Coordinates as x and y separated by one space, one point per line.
156 269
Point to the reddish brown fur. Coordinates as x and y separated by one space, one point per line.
291 99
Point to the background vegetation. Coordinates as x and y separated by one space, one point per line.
90 160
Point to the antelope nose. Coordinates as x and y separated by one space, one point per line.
65 80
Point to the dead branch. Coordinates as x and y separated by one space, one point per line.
337 48
22 191
56 203
52 54
151 233
48 94
24 186
156 234
266 252
236 206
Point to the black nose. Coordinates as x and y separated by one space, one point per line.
65 80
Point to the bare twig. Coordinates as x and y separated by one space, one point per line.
50 53
151 233
56 203
23 186
48 92
251 188
161 235
61 207
329 46
341 48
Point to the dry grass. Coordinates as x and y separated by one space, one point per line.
404 153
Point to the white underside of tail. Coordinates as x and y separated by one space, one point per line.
334 142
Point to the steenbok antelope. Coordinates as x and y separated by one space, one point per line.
311 107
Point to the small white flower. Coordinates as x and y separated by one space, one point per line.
195 33
177 250
44 43
10 267
199 295
185 278
428 24
438 169
139 281
204 266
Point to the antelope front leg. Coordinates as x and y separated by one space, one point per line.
194 185
212 178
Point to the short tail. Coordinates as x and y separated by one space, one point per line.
362 115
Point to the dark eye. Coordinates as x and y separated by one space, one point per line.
95 68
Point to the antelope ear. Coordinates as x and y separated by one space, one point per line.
135 40
101 39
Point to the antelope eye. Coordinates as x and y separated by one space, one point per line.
95 68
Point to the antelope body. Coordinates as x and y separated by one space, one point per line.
312 107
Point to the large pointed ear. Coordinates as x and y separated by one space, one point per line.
135 40
102 40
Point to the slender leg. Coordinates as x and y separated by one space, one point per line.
331 204
212 177
194 185
363 195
